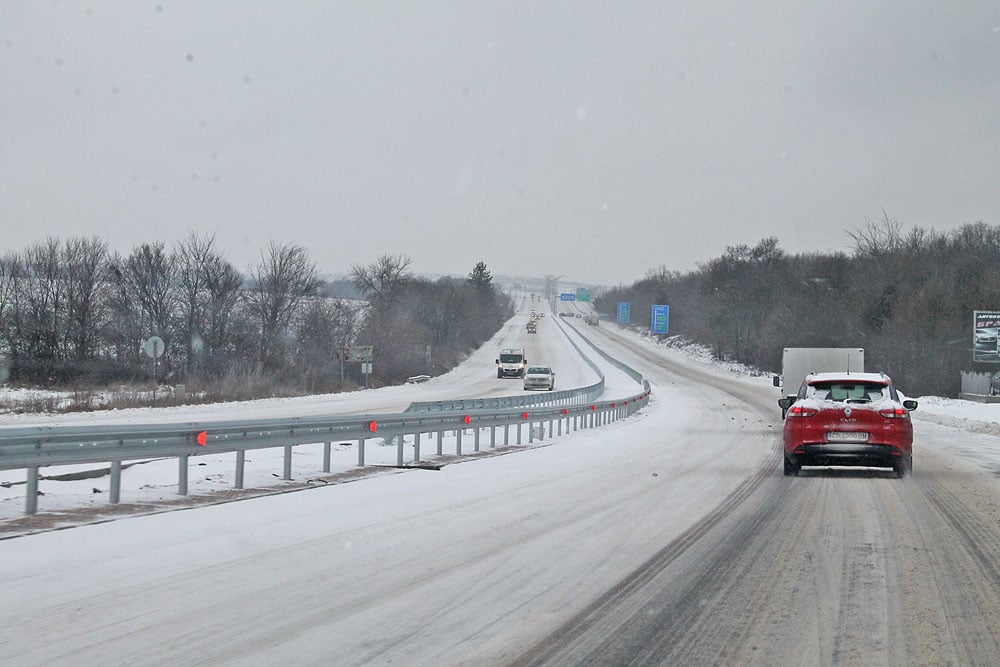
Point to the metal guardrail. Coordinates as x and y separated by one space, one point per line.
36 446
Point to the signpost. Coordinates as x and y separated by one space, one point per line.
624 314
660 320
360 354
154 347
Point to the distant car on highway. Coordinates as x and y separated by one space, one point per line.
848 419
540 377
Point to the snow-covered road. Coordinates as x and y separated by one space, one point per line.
670 537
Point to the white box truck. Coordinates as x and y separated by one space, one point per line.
798 362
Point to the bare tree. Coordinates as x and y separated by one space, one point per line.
386 324
86 273
279 283
8 310
43 300
325 328
223 285
380 280
145 296
195 257
877 238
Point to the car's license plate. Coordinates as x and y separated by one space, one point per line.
846 436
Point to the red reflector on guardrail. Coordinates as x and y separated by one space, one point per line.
468 419
203 438
525 415
373 427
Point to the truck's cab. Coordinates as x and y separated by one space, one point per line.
511 363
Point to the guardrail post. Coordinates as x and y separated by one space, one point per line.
361 451
531 433
286 472
440 443
31 494
493 437
458 442
416 446
399 451
116 482
326 456
182 475
241 457
475 440
519 433
506 435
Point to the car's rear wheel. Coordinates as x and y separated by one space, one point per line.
791 469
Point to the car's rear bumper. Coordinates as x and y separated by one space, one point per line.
846 454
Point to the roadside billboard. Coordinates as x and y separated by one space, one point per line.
985 325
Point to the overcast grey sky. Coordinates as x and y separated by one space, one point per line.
596 140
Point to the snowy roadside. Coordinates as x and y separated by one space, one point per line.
154 482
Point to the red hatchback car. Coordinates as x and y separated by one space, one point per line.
848 419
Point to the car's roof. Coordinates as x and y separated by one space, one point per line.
879 378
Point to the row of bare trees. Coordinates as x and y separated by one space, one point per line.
906 296
75 311
418 326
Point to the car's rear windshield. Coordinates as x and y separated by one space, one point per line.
848 391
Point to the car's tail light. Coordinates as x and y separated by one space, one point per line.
801 411
893 413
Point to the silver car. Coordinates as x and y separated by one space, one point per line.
539 377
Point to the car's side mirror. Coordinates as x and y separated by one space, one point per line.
496 361
776 380
910 405
786 402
